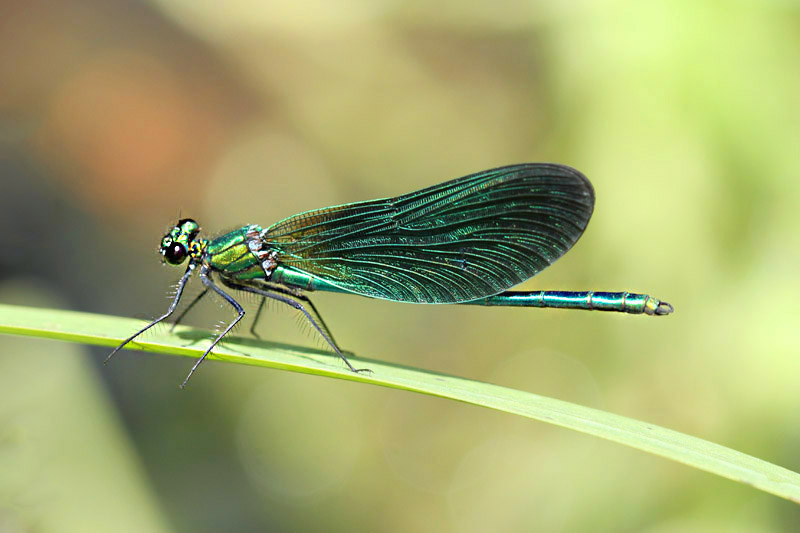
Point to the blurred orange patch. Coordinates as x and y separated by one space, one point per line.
125 129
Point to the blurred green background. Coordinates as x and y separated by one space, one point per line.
119 115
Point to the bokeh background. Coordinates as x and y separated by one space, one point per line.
117 116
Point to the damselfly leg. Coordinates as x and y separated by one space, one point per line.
209 283
183 313
291 299
296 295
310 307
172 306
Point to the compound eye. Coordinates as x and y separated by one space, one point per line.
175 253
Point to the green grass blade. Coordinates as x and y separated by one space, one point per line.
109 331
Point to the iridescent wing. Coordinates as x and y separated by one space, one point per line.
461 240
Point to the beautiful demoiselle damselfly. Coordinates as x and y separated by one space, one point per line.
465 241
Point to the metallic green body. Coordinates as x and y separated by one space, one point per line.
455 242
298 279
229 254
465 241
623 302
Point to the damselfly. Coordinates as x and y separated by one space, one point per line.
465 241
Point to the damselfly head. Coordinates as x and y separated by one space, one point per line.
180 243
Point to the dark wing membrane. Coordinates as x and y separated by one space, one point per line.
461 240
